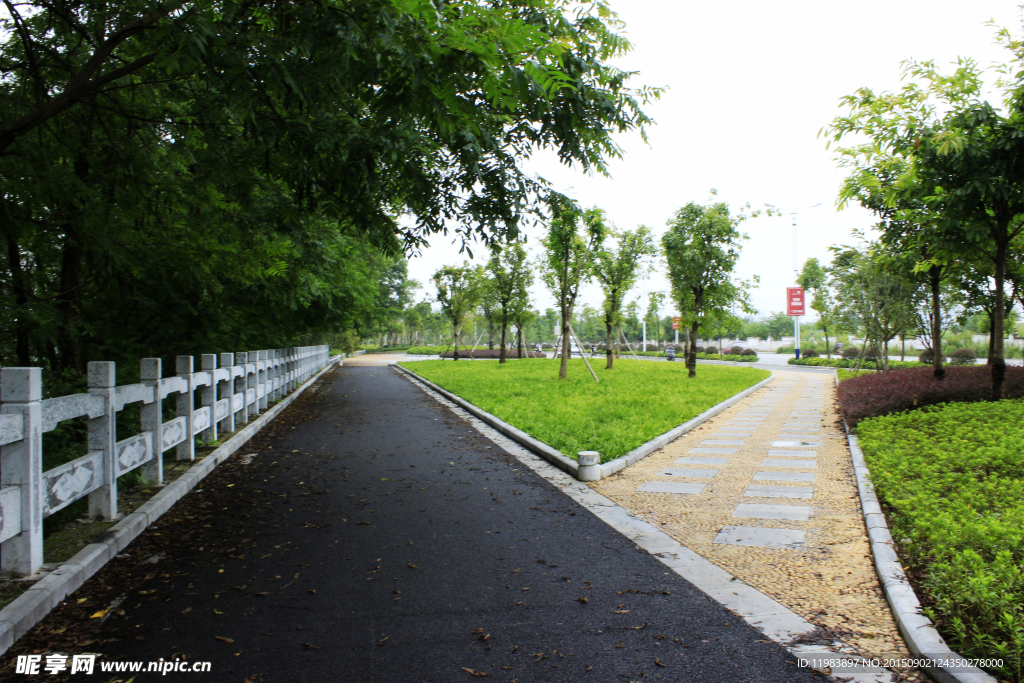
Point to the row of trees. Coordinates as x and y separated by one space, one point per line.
943 169
225 175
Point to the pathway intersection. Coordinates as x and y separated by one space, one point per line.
766 491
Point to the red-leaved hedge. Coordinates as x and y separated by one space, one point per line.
491 353
880 393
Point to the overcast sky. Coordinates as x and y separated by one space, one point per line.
750 86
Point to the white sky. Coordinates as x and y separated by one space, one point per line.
750 86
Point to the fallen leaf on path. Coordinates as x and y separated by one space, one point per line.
474 673
223 639
308 646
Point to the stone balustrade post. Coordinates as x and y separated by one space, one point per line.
186 406
225 389
253 383
263 380
21 467
151 371
241 382
102 437
209 395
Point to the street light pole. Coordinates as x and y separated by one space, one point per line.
796 272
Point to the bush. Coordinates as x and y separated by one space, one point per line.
810 353
492 353
963 357
736 351
850 352
710 350
952 480
748 352
882 393
927 356
699 349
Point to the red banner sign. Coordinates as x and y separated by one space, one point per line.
675 323
795 301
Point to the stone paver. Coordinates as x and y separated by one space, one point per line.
812 554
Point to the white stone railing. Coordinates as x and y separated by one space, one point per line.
233 388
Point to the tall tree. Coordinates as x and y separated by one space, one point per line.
573 237
510 280
814 279
702 246
458 291
617 269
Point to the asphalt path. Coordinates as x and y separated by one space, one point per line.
375 536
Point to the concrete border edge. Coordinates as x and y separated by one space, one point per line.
28 609
918 632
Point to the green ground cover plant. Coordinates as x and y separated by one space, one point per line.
843 363
844 374
633 403
951 478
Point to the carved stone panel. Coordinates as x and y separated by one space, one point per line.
237 402
201 419
261 390
65 484
12 427
250 395
133 452
10 512
221 409
174 432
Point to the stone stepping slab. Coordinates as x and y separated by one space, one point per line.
784 476
722 442
738 434
769 491
795 444
796 431
679 487
700 461
687 472
718 451
786 453
802 464
764 538
796 513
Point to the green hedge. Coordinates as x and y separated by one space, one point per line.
840 363
952 480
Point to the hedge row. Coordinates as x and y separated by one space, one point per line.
881 393
491 353
841 363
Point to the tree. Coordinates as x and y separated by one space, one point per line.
510 282
814 279
702 246
230 168
458 291
617 269
573 237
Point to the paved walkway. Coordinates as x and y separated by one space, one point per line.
766 491
372 534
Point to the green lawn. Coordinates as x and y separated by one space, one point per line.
633 403
952 480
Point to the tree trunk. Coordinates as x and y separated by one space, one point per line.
828 344
934 277
691 357
503 354
609 353
998 320
563 368
457 331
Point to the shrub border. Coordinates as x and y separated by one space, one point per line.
28 609
918 632
567 464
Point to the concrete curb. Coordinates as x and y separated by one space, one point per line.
28 609
569 465
920 635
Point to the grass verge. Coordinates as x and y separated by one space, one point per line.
951 478
633 403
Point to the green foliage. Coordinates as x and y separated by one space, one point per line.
632 404
848 363
459 290
702 246
952 478
219 175
509 284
